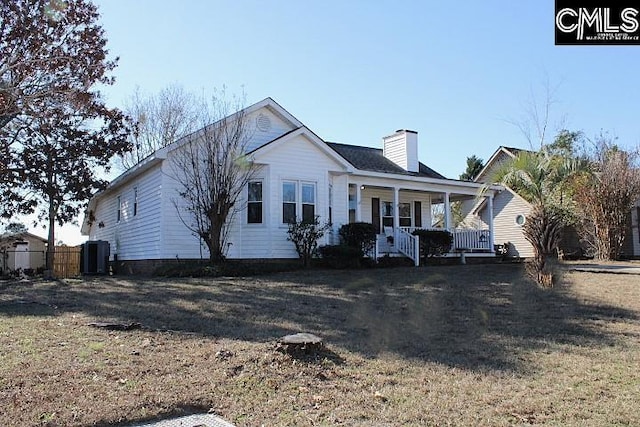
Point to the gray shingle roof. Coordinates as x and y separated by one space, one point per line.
372 159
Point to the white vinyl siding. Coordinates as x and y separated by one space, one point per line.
298 160
506 208
262 135
133 237
386 195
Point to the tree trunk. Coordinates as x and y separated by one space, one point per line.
216 251
543 230
51 242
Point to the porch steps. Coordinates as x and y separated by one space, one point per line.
385 248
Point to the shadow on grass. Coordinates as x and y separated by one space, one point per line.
475 317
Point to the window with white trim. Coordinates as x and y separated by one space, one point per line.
308 201
387 214
330 204
119 209
298 201
135 201
404 217
289 201
254 202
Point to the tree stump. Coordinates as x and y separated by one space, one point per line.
302 341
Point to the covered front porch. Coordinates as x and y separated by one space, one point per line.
397 210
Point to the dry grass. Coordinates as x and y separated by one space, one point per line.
459 345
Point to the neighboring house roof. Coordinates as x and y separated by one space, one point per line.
23 235
495 159
372 159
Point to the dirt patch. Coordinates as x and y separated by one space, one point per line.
449 345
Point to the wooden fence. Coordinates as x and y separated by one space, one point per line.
66 262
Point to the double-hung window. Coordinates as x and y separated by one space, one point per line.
387 214
254 202
404 214
289 201
298 201
308 201
135 201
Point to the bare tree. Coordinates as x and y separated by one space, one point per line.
212 170
160 120
535 119
607 195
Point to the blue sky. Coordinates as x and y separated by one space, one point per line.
354 71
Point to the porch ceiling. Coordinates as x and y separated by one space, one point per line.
436 196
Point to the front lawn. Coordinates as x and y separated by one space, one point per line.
438 345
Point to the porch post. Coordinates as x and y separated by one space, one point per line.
490 210
358 203
396 209
447 211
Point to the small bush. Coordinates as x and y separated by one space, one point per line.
434 242
341 256
305 236
361 235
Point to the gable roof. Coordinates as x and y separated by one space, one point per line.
267 103
372 159
22 235
311 136
495 158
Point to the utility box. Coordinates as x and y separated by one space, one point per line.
95 257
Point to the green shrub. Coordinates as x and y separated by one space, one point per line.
361 235
341 256
434 242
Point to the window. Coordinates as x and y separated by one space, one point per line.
254 205
387 214
330 204
119 207
352 203
289 190
135 201
298 198
520 220
404 214
308 202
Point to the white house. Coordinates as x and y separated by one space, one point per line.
509 211
299 174
21 251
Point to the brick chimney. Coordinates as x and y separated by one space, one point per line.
402 149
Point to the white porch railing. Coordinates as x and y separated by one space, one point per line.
464 238
472 240
408 245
